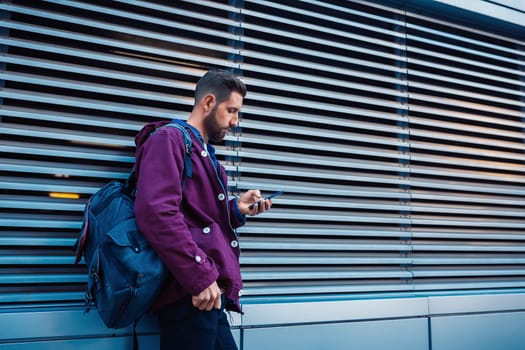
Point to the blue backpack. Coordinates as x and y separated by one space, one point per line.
124 272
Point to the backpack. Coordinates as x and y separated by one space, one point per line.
125 274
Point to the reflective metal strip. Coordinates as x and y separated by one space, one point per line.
30 223
320 246
470 285
44 260
344 287
468 273
468 248
49 297
24 279
288 259
39 205
323 275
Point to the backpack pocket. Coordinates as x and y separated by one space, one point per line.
126 275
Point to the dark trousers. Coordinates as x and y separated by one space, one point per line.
184 327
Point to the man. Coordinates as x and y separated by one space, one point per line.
190 221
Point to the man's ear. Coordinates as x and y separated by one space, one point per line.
208 102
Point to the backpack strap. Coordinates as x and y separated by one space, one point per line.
81 241
187 144
130 181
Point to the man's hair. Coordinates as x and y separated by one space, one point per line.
220 83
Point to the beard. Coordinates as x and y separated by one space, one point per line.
215 133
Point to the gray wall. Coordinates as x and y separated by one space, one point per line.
492 321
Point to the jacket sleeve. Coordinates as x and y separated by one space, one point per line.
236 218
158 212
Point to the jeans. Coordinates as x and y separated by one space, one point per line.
184 327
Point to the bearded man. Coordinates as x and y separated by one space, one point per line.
191 221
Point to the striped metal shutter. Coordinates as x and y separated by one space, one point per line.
397 136
399 140
467 123
326 122
80 78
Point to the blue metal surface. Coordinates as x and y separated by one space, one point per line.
453 322
373 335
502 331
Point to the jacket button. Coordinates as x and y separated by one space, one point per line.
221 196
198 259
206 230
204 153
234 244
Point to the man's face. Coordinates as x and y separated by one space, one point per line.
222 117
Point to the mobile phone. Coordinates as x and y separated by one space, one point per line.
273 195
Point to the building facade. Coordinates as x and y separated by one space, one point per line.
395 128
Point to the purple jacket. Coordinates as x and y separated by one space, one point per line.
190 227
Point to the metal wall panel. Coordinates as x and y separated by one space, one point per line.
371 335
483 332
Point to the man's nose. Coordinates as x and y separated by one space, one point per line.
234 121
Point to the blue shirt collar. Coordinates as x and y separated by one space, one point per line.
209 148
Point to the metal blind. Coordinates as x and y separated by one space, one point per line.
397 136
80 78
326 121
466 97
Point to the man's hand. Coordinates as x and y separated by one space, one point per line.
208 299
251 197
